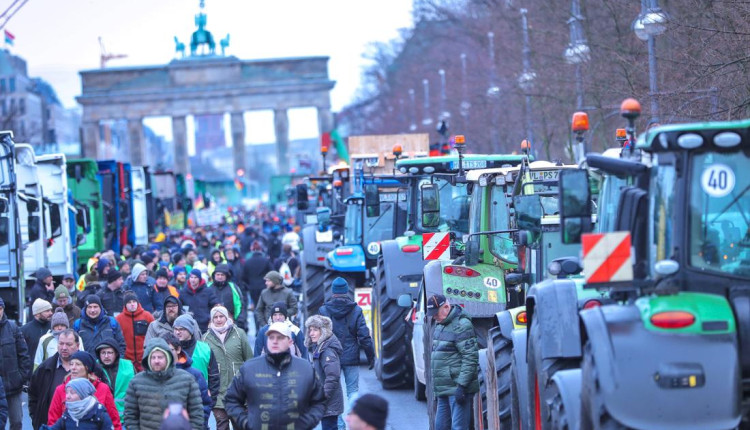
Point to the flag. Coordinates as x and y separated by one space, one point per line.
238 184
9 38
199 204
340 146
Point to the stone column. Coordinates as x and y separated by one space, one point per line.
136 141
237 122
90 139
281 125
179 137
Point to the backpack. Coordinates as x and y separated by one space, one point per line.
286 273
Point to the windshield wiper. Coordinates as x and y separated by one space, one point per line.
735 200
383 212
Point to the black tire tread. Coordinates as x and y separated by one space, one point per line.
395 364
503 354
594 415
314 288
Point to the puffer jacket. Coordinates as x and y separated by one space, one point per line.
185 363
16 362
103 394
454 358
92 332
134 327
161 326
230 356
150 393
199 302
269 296
95 419
350 328
324 356
267 394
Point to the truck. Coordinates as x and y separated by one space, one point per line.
12 285
115 186
84 184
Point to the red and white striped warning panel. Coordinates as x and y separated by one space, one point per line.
436 246
607 257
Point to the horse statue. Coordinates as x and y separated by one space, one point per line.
179 47
224 44
201 36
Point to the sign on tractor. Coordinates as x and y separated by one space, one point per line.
607 257
436 246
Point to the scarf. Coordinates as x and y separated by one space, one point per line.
79 408
221 332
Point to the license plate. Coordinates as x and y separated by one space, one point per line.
470 164
545 175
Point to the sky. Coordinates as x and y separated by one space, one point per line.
59 37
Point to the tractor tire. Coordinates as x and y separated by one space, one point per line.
540 378
594 415
314 289
502 354
482 390
420 391
518 413
430 392
394 364
557 409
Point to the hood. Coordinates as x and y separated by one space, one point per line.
157 343
184 361
324 324
340 306
136 271
110 343
173 299
224 268
42 273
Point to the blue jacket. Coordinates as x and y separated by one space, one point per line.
350 328
93 332
3 406
261 340
96 419
199 303
186 365
146 296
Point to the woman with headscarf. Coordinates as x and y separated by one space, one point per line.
231 349
324 350
83 366
82 410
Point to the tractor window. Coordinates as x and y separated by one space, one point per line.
4 222
475 211
380 227
608 200
353 225
662 206
501 244
454 208
720 213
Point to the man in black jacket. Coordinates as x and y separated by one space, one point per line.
254 270
111 294
49 375
229 294
15 366
43 288
39 326
276 389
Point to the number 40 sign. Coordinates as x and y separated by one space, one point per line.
718 180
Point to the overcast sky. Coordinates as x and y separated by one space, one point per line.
59 37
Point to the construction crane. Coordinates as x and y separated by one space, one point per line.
105 56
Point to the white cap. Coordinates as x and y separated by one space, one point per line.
281 328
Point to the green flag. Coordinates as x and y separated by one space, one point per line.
340 146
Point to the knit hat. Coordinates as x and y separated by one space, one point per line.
178 269
371 409
59 318
196 272
91 277
219 310
87 359
42 273
185 321
274 277
61 292
113 276
128 296
82 386
223 268
162 273
148 257
279 308
93 299
136 271
102 264
41 305
340 286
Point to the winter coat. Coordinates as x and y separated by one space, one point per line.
162 293
297 336
90 288
230 355
269 296
454 359
350 328
269 395
95 419
3 406
123 376
39 291
150 393
205 361
230 296
15 363
199 303
185 363
324 356
236 266
103 394
112 301
94 331
134 326
40 390
47 347
146 296
32 332
73 312
254 269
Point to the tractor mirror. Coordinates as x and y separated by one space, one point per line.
405 301
300 197
472 251
372 200
575 194
528 213
430 198
324 215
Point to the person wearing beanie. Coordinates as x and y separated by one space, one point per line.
369 412
82 409
229 294
325 350
95 325
47 346
187 331
163 323
69 282
83 366
179 279
103 267
91 285
160 380
64 300
43 288
279 314
118 372
197 299
215 258
143 286
350 328
162 289
184 362
111 293
275 291
149 260
39 326
253 270
134 322
231 348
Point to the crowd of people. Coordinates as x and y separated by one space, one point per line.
161 336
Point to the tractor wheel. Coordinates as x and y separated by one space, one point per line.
314 289
518 412
502 354
430 392
391 337
594 415
540 379
482 390
557 409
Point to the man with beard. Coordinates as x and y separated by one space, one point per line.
134 322
64 300
117 371
230 296
39 326
49 375
163 324
186 330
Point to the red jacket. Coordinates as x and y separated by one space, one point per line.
103 394
134 326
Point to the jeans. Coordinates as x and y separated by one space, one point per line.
330 423
351 382
15 411
452 415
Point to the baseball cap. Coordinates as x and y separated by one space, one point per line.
281 328
434 303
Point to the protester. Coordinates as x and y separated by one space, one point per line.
229 294
91 286
262 395
198 299
184 362
65 301
186 330
47 346
117 371
39 325
163 324
325 350
143 287
253 271
95 325
69 282
215 258
82 409
162 289
275 292
230 347
179 281
369 412
134 322
279 314
151 391
15 366
49 375
111 293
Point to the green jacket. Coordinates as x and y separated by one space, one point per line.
454 359
125 372
201 358
230 356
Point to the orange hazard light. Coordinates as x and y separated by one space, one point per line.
580 122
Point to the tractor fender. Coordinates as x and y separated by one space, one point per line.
553 304
635 365
569 386
312 248
521 371
403 271
353 262
505 322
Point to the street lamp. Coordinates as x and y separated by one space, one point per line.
650 23
413 106
464 107
426 120
493 90
526 80
444 114
578 51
